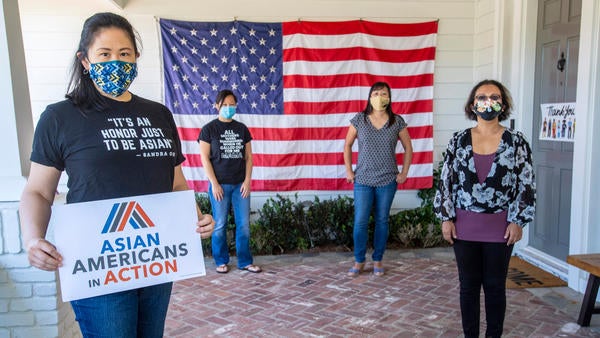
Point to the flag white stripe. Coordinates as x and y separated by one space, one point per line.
358 67
358 40
353 93
309 146
295 172
297 121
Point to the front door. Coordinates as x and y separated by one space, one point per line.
555 81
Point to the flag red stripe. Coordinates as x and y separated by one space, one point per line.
296 134
352 27
314 184
287 160
358 53
338 107
356 80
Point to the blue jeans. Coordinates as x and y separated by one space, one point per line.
380 200
241 213
482 264
134 313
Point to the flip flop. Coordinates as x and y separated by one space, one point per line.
252 268
378 271
223 268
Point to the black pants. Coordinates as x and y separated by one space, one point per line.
481 263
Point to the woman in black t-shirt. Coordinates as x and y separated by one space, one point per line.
100 136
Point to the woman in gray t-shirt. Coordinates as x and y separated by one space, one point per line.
376 177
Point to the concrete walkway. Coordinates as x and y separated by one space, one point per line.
311 296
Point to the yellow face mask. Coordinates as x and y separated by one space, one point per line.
379 103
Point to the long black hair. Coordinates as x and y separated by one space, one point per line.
369 109
81 90
507 102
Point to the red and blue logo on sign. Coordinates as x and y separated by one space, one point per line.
126 212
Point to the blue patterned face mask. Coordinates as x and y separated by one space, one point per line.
113 77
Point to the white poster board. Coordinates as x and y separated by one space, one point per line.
558 122
126 243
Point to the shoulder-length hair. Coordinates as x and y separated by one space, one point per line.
369 108
507 103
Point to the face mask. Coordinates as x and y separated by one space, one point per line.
487 110
113 77
227 111
379 103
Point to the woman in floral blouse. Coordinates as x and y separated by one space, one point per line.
485 197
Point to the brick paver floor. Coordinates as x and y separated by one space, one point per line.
311 296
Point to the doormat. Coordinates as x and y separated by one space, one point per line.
522 274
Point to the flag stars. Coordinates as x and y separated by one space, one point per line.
253 87
273 105
263 59
243 59
173 31
234 86
273 87
195 105
244 77
194 50
262 42
184 59
186 96
252 50
273 69
272 51
224 59
243 41
204 59
176 86
214 69
195 69
204 96
204 78
252 32
233 50
215 87
234 68
233 31
193 32
175 68
254 105
214 50
223 41
263 96
204 42
263 78
183 41
244 96
184 78
213 32
224 78
174 50
253 69
176 104
195 87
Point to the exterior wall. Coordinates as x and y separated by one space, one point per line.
51 29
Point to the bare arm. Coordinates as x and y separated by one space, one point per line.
246 185
210 171
408 154
350 137
205 225
34 214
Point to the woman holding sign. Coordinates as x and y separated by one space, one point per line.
97 136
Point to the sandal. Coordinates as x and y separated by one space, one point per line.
378 270
252 268
223 268
356 269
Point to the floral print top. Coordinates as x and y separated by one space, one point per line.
510 184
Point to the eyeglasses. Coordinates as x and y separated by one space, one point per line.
493 97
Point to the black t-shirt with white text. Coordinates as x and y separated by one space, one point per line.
129 149
227 149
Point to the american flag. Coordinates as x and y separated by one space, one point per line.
298 85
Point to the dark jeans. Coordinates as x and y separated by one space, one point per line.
481 263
